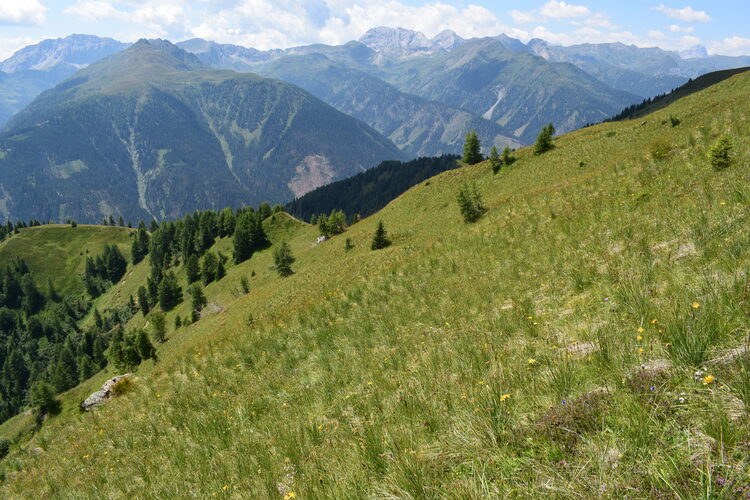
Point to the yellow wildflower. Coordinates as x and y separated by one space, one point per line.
641 330
290 495
653 321
641 351
639 338
708 379
531 361
504 397
696 305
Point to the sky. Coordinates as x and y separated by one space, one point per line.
720 26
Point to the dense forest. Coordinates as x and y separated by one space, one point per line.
368 192
52 341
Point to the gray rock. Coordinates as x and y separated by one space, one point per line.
104 394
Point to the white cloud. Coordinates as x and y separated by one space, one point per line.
657 35
674 28
522 16
159 18
588 31
687 14
9 46
562 10
689 41
265 24
599 20
23 12
734 46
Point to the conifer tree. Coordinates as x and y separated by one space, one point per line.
139 248
143 300
86 368
243 237
507 158
170 293
192 269
380 239
495 161
143 345
283 260
472 148
198 301
42 397
209 267
544 139
158 322
719 154
470 203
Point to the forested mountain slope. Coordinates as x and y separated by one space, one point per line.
152 133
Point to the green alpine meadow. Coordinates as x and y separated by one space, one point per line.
565 320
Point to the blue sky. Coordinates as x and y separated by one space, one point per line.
721 26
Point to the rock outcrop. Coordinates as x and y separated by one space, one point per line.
102 395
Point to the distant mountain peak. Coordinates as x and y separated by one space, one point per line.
694 52
74 51
404 42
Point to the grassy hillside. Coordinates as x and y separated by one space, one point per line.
60 251
550 349
651 105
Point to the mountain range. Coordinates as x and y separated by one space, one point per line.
247 125
152 132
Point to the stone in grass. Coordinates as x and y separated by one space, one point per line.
104 394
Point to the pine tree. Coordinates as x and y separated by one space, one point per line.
143 300
472 148
114 262
470 203
139 249
86 368
198 301
143 345
227 222
208 267
158 322
283 260
177 322
170 293
380 239
507 158
544 139
243 237
495 161
42 397
192 269
719 154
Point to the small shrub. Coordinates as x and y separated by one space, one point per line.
122 386
660 149
567 422
720 153
674 121
4 447
348 245
244 284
